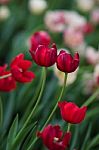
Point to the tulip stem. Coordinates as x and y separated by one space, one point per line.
69 126
55 107
5 76
91 98
50 116
17 139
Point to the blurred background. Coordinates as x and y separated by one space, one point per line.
74 26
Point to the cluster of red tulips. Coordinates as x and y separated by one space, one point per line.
44 55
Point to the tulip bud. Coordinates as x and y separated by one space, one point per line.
71 113
45 56
39 38
66 63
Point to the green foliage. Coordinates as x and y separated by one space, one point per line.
16 106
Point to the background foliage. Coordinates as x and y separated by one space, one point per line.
15 106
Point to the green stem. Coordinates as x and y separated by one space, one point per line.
92 98
34 98
32 112
54 109
5 76
69 126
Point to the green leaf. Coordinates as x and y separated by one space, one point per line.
12 133
75 137
93 143
19 138
92 113
87 137
28 139
1 112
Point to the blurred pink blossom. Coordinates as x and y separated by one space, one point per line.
4 1
55 21
88 83
73 19
96 74
95 16
92 55
58 21
73 38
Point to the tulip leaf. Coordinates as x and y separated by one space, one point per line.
12 133
22 136
93 143
28 141
92 113
87 137
1 112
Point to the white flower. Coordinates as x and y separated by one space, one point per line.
37 6
4 12
85 5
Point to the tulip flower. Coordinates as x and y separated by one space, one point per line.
54 139
39 38
45 56
19 69
71 113
66 63
6 84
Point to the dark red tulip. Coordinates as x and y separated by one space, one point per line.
6 84
19 69
39 38
54 139
45 56
71 113
66 63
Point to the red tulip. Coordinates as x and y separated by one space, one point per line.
19 69
71 112
45 56
53 138
66 63
39 38
6 84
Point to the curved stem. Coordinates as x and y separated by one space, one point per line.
5 76
91 98
34 98
17 139
54 109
